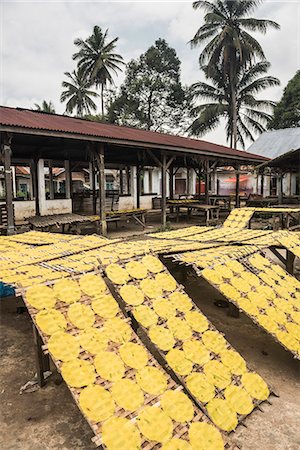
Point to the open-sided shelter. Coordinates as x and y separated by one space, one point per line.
33 137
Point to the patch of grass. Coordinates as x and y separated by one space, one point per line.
168 227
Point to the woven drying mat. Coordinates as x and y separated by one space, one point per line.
240 308
115 289
180 430
252 269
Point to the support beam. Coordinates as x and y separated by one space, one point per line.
171 182
68 176
262 178
41 186
188 181
207 182
121 181
92 176
164 190
51 185
128 175
237 188
6 157
138 186
35 184
100 161
279 188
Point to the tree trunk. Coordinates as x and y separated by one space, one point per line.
102 100
234 115
149 111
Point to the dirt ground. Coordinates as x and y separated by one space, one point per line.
48 419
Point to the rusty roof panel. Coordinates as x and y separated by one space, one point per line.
24 118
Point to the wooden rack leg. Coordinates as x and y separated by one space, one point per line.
42 360
233 311
290 258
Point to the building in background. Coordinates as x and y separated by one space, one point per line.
274 144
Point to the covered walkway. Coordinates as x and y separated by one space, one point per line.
42 140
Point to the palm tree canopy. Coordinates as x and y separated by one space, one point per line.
226 26
47 107
252 114
97 58
77 93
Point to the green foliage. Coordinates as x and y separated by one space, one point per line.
229 45
252 113
77 94
97 59
151 96
167 227
226 26
47 107
287 111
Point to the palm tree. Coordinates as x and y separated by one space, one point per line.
78 94
252 114
226 26
96 57
45 107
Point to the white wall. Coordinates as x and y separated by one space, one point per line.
58 206
24 209
127 202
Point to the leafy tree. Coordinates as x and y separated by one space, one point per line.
226 28
77 93
287 111
151 96
47 107
252 113
98 60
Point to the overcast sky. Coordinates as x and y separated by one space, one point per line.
37 42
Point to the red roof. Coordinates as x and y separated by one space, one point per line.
22 170
24 118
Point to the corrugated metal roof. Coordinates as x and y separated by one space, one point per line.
276 142
24 118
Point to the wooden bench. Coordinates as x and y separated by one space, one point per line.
69 222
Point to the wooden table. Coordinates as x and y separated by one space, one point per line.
69 222
211 211
223 201
138 215
287 216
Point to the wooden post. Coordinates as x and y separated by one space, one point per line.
290 259
100 159
279 189
6 157
128 175
35 184
42 361
237 188
68 177
207 182
164 190
171 182
121 181
92 176
51 185
188 181
262 184
138 186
